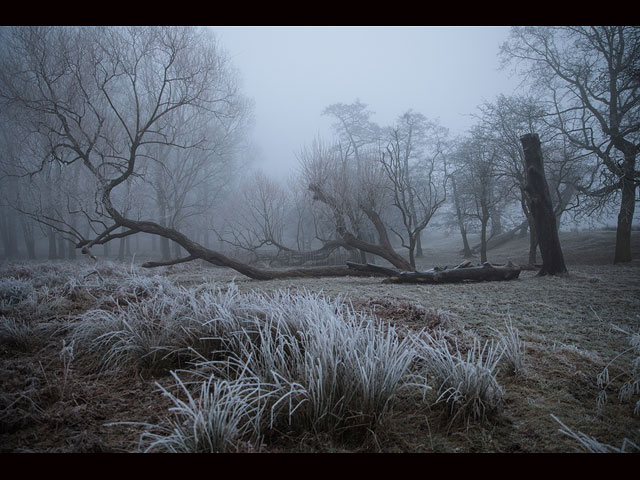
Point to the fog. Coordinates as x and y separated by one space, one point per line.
293 73
150 135
319 239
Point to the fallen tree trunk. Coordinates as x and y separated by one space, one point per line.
372 269
464 272
289 257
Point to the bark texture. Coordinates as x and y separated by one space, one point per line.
537 191
465 272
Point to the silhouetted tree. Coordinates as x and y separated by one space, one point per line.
537 191
589 76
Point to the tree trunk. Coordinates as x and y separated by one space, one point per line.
62 251
537 191
176 250
533 243
9 232
412 256
483 234
29 239
625 217
121 246
563 201
419 252
496 222
383 249
71 251
466 251
53 248
462 273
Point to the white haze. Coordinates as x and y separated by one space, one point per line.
293 73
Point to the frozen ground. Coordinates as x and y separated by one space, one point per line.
573 327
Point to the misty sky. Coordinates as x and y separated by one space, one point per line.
293 73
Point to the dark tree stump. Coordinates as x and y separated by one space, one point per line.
537 191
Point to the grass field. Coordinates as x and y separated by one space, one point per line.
87 355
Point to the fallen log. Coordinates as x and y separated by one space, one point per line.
464 272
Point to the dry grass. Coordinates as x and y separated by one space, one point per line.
563 323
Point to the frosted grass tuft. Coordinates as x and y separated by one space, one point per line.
591 445
467 383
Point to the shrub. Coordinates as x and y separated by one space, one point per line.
320 366
467 383
14 291
147 334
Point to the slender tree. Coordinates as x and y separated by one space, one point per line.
479 185
416 166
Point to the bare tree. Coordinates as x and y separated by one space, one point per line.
590 75
106 98
353 126
502 123
352 194
479 185
357 136
460 199
266 221
257 217
109 107
416 167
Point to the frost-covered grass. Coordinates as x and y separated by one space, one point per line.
121 339
465 382
628 363
216 418
591 445
321 366
276 366
514 351
346 367
17 334
43 289
13 291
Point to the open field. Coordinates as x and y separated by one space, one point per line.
54 397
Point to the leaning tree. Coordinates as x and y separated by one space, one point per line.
108 99
502 123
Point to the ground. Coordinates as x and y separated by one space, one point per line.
572 327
